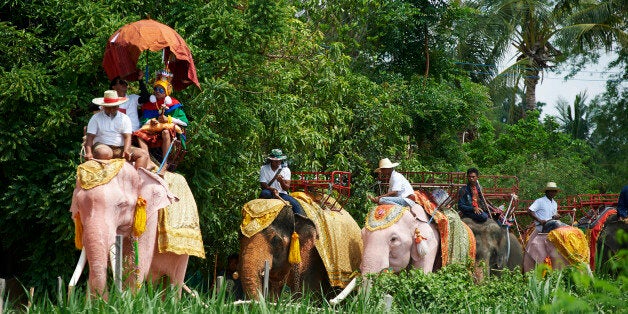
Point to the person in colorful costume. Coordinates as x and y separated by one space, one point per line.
161 116
112 128
274 179
400 190
545 208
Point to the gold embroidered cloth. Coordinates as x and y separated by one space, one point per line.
179 230
258 214
339 240
571 243
92 173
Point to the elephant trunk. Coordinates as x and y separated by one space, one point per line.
252 264
375 258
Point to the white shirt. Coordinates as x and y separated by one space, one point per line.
399 184
544 209
266 173
109 130
130 109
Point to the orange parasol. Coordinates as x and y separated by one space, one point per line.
127 43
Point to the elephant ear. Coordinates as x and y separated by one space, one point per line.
305 227
155 190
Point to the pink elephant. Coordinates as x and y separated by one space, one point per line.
540 248
109 209
389 240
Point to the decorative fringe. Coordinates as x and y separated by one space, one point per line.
78 232
294 257
421 245
139 224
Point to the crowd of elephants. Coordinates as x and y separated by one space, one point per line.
107 210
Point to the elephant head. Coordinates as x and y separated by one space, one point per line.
272 244
496 246
108 209
389 239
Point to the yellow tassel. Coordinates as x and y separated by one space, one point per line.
78 232
139 224
294 257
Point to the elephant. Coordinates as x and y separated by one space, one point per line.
495 245
329 241
608 243
106 210
272 244
389 240
541 248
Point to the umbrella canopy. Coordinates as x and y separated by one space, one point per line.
127 43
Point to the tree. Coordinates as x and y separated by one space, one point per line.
545 33
576 123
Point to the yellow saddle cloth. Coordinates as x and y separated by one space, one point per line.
571 243
258 214
339 240
179 229
92 173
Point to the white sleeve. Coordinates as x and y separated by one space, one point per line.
535 206
285 173
92 126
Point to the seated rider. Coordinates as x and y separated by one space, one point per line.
471 202
400 190
162 117
112 128
274 179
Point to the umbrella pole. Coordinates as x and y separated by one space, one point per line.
146 73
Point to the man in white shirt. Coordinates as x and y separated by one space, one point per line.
112 128
131 106
545 208
400 190
274 179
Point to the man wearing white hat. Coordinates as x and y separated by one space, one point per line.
112 128
545 208
400 190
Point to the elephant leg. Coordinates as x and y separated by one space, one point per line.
311 270
170 264
254 252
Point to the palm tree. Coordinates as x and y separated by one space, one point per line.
537 28
576 123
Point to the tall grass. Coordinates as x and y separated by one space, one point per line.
452 289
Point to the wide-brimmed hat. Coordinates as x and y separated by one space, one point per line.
551 186
276 154
110 99
385 164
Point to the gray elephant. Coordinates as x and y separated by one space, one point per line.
495 246
608 242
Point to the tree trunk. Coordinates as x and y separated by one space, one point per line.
530 82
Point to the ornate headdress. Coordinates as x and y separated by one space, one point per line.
163 79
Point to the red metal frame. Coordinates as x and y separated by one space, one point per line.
324 183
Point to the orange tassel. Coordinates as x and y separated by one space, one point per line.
294 257
78 232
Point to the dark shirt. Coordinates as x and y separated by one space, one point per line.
465 199
622 203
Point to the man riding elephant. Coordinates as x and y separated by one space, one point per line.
274 179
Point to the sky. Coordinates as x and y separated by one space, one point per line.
591 79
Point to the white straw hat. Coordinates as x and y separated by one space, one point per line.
110 99
385 164
551 186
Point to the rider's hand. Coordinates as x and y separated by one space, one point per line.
89 156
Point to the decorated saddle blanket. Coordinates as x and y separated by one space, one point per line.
339 240
92 173
593 231
571 243
258 214
457 241
179 229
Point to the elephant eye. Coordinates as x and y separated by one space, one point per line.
394 240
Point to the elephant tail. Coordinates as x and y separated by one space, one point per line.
78 232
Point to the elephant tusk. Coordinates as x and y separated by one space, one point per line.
79 269
348 289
